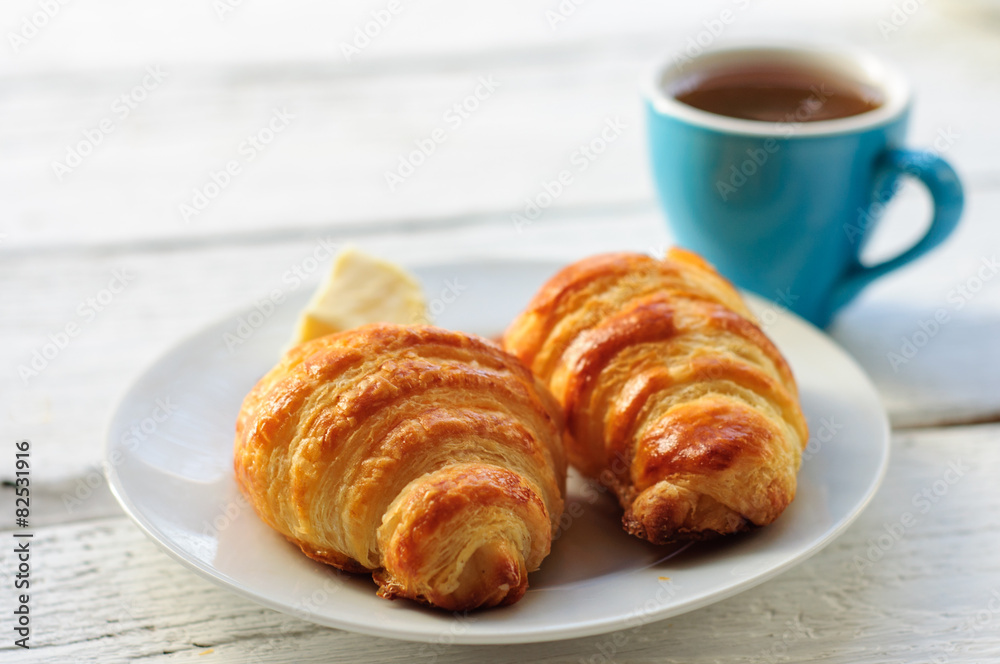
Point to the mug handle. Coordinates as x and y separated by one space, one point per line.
946 192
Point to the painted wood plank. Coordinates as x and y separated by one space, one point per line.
351 126
883 592
106 33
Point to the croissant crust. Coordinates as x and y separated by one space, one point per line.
429 458
673 395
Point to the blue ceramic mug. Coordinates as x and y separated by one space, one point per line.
784 208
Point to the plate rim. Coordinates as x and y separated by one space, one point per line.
534 635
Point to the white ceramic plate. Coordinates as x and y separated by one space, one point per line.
169 462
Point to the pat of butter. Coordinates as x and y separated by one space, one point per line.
361 289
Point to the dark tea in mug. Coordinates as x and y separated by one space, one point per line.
776 93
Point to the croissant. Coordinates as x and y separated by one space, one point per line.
429 458
673 396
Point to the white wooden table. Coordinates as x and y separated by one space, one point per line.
113 115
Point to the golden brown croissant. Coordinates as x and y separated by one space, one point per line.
431 458
673 396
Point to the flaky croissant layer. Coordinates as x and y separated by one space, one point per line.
673 396
430 458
